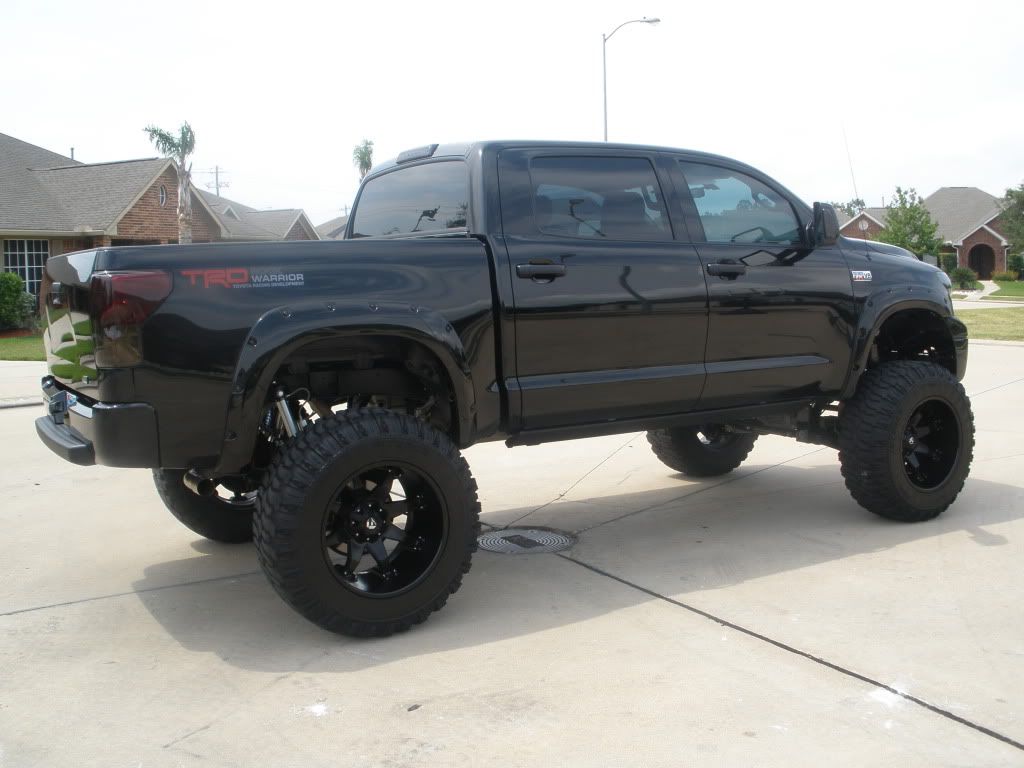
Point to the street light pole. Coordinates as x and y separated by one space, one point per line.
604 61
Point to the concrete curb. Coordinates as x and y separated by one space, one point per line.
19 402
995 343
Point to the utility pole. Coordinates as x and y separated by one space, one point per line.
217 183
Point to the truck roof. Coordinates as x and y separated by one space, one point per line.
467 148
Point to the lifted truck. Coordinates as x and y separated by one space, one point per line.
315 396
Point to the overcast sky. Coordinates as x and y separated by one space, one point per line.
929 93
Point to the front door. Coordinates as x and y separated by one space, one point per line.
610 310
982 259
781 312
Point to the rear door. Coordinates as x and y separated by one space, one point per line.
609 309
781 313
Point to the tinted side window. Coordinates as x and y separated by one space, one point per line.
735 208
422 198
613 198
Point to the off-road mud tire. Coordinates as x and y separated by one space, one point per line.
210 516
289 519
873 431
683 450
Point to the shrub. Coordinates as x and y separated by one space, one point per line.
963 277
947 261
29 311
1004 277
12 311
1016 264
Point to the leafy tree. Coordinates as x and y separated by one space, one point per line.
1012 222
362 157
909 225
178 148
1015 263
850 208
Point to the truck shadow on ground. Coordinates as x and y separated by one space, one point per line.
791 518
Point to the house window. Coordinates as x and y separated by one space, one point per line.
163 195
27 257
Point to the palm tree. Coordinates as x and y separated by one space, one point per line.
178 148
362 157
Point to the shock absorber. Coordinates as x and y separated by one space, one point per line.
287 419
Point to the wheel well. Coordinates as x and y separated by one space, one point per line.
374 370
914 334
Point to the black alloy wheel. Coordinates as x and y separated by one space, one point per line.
931 443
383 530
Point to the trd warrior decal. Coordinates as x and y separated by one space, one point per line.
240 277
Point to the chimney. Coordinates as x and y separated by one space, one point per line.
72 153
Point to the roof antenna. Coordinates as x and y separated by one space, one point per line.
849 160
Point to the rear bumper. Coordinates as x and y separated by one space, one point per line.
111 434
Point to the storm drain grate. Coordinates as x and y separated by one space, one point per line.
524 541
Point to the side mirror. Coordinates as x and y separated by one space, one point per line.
826 224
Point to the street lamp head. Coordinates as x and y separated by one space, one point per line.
655 20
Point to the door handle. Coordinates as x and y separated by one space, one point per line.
546 272
727 269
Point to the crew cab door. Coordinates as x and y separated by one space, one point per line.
610 310
781 313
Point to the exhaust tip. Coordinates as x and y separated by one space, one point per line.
199 485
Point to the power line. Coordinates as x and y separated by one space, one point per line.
217 183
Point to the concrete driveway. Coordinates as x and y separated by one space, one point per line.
758 619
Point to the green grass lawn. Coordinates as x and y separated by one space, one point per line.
22 348
1014 290
1006 324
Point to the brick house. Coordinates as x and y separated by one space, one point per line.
51 204
968 221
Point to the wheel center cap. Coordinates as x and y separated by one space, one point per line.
910 440
371 524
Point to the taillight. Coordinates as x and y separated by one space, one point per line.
119 303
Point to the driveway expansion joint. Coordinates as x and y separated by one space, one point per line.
130 592
797 652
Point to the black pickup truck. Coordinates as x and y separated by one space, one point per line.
314 396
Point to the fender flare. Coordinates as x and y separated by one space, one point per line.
282 330
883 304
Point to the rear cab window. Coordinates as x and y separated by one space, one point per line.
430 198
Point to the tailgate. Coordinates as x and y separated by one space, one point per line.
68 332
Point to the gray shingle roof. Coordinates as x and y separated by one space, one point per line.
24 203
332 229
45 192
881 215
42 191
277 221
97 195
250 224
960 210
